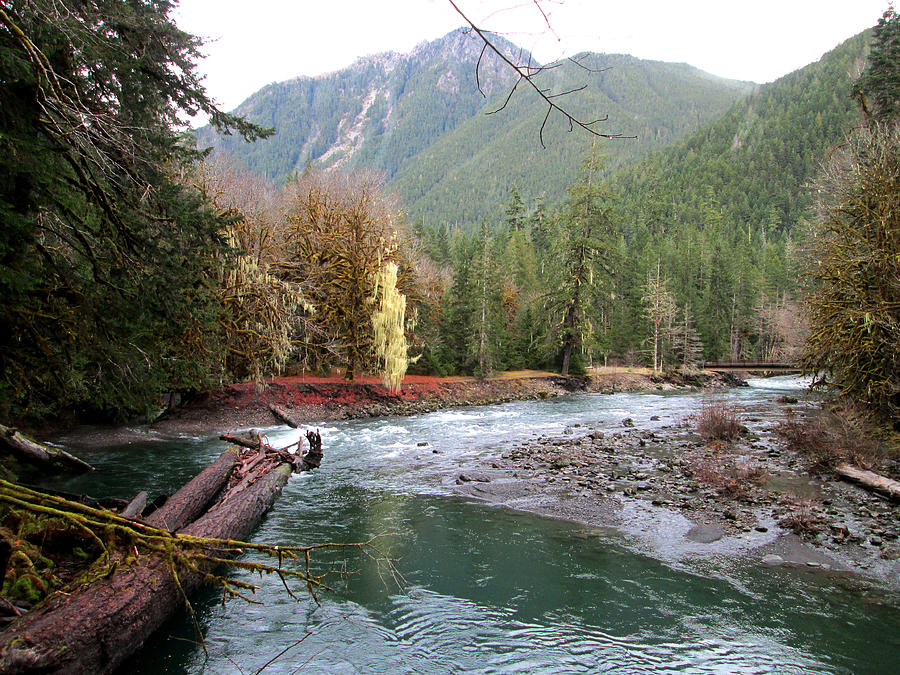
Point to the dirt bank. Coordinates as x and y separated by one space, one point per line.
312 400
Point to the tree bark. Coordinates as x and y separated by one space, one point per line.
191 500
136 506
34 452
96 630
870 480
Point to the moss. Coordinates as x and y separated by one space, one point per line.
27 588
80 554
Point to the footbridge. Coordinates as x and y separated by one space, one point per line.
751 366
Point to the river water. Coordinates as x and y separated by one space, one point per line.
481 589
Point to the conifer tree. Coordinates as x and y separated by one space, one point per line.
659 308
854 307
106 259
878 89
580 274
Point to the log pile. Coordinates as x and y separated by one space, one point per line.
95 629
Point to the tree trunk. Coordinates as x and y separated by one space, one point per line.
136 506
33 452
283 415
191 500
870 480
96 630
567 358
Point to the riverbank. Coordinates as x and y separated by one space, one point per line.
681 497
666 486
312 400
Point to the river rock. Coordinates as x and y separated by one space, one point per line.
472 478
772 559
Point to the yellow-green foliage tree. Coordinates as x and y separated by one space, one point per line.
855 305
389 324
263 309
340 232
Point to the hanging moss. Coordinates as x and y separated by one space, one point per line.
389 324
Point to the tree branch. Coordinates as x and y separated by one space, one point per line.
527 73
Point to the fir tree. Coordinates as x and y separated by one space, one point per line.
106 260
878 89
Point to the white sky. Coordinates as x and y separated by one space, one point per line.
256 42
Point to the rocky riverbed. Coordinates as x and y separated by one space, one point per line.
682 496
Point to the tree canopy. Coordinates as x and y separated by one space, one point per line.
104 254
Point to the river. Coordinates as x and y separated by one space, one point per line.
482 589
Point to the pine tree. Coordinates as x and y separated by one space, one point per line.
580 274
878 89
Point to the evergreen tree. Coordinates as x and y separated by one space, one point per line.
659 308
878 89
687 346
486 318
583 242
106 260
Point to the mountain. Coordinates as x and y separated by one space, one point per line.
376 114
421 120
467 174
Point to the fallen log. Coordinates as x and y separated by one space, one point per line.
284 416
136 506
31 451
194 497
95 630
870 480
252 443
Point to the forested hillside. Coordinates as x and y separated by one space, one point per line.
420 119
695 252
757 158
467 174
723 210
376 114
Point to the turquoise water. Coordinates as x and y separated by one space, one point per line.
481 589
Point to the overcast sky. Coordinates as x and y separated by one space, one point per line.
256 42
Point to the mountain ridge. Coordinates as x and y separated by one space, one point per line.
390 112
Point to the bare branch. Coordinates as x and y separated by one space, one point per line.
527 73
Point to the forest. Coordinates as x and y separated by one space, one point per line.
135 265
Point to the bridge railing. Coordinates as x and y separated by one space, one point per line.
749 365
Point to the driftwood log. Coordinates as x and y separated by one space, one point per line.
194 497
283 415
31 451
870 480
95 630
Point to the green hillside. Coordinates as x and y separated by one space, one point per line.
467 174
757 158
420 119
